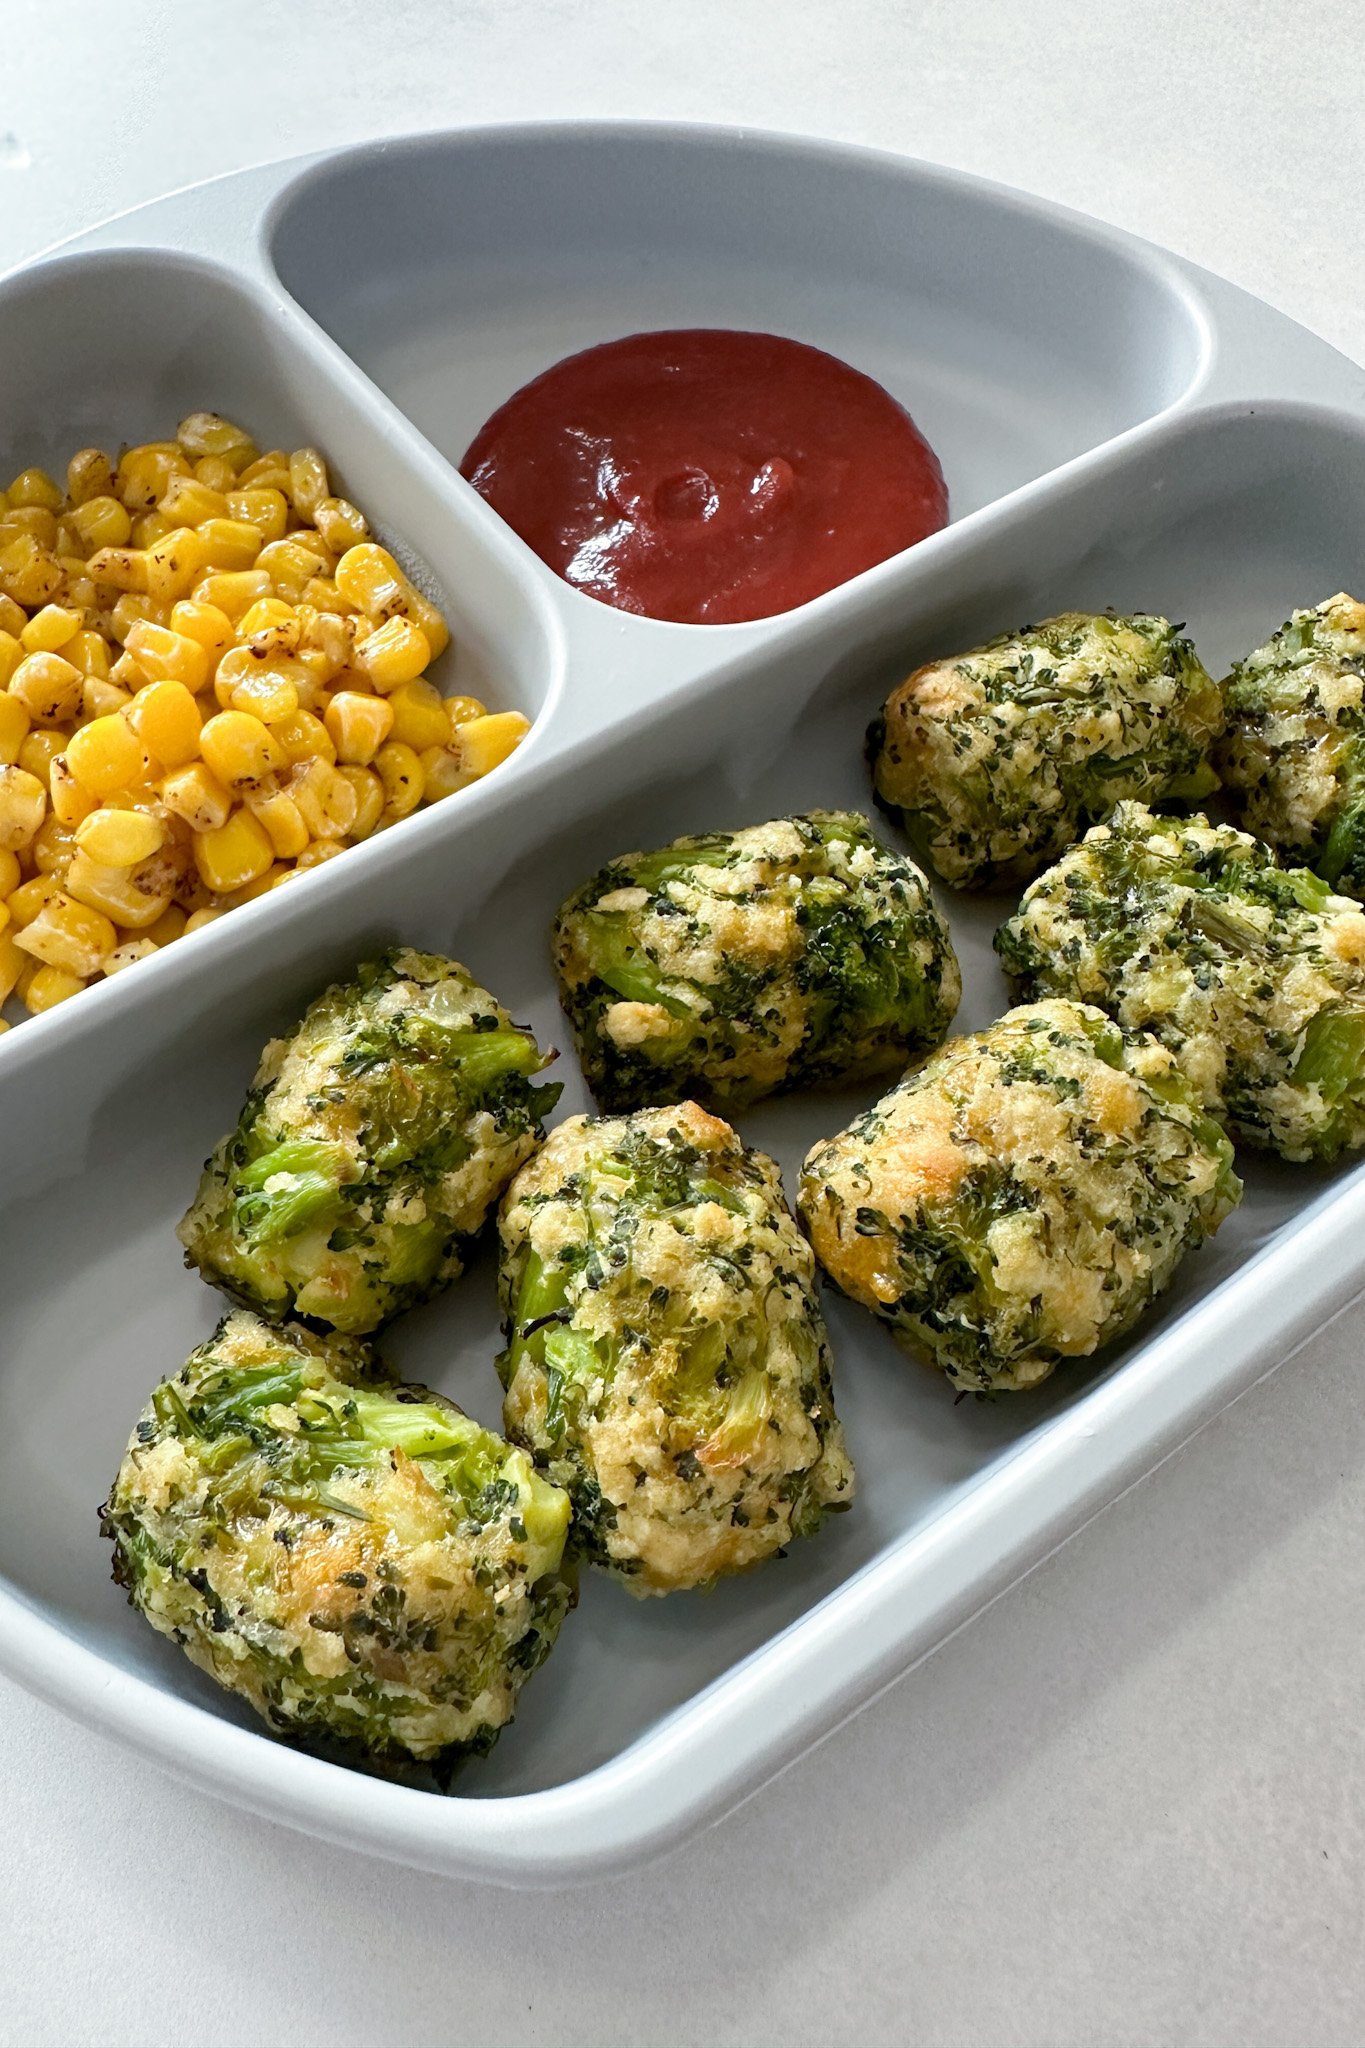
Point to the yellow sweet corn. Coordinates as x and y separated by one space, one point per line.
49 630
196 795
88 476
14 728
482 744
239 750
397 653
400 771
211 678
23 806
166 656
237 853
48 687
105 755
114 891
358 725
168 722
120 839
47 987
12 965
419 716
69 935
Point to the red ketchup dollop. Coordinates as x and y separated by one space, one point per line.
707 476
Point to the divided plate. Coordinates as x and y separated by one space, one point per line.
1116 428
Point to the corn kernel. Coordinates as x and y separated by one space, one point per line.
11 875
321 850
187 502
31 898
115 892
33 520
69 935
326 801
28 573
23 806
196 795
167 656
37 753
12 616
11 654
282 820
233 592
149 527
215 472
12 965
106 755
442 774
400 771
484 743
101 699
144 472
396 654
120 839
269 694
14 728
419 716
48 687
369 800
261 886
122 568
265 509
239 750
228 544
234 855
129 954
48 987
53 847
210 628
208 433
293 562
50 629
305 738
35 487
268 472
459 710
88 475
197 919
128 673
100 523
270 614
359 725
90 652
175 562
341 524
70 800
308 485
130 610
167 720
168 928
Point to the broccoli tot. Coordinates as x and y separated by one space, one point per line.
357 1559
999 758
667 1361
372 1146
1022 1196
793 954
1294 754
1252 974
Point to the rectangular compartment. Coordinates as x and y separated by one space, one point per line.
115 348
455 268
650 1717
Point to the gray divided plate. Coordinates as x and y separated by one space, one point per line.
1117 428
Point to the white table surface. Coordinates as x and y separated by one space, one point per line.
1125 1806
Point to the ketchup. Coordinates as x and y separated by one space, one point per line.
706 475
